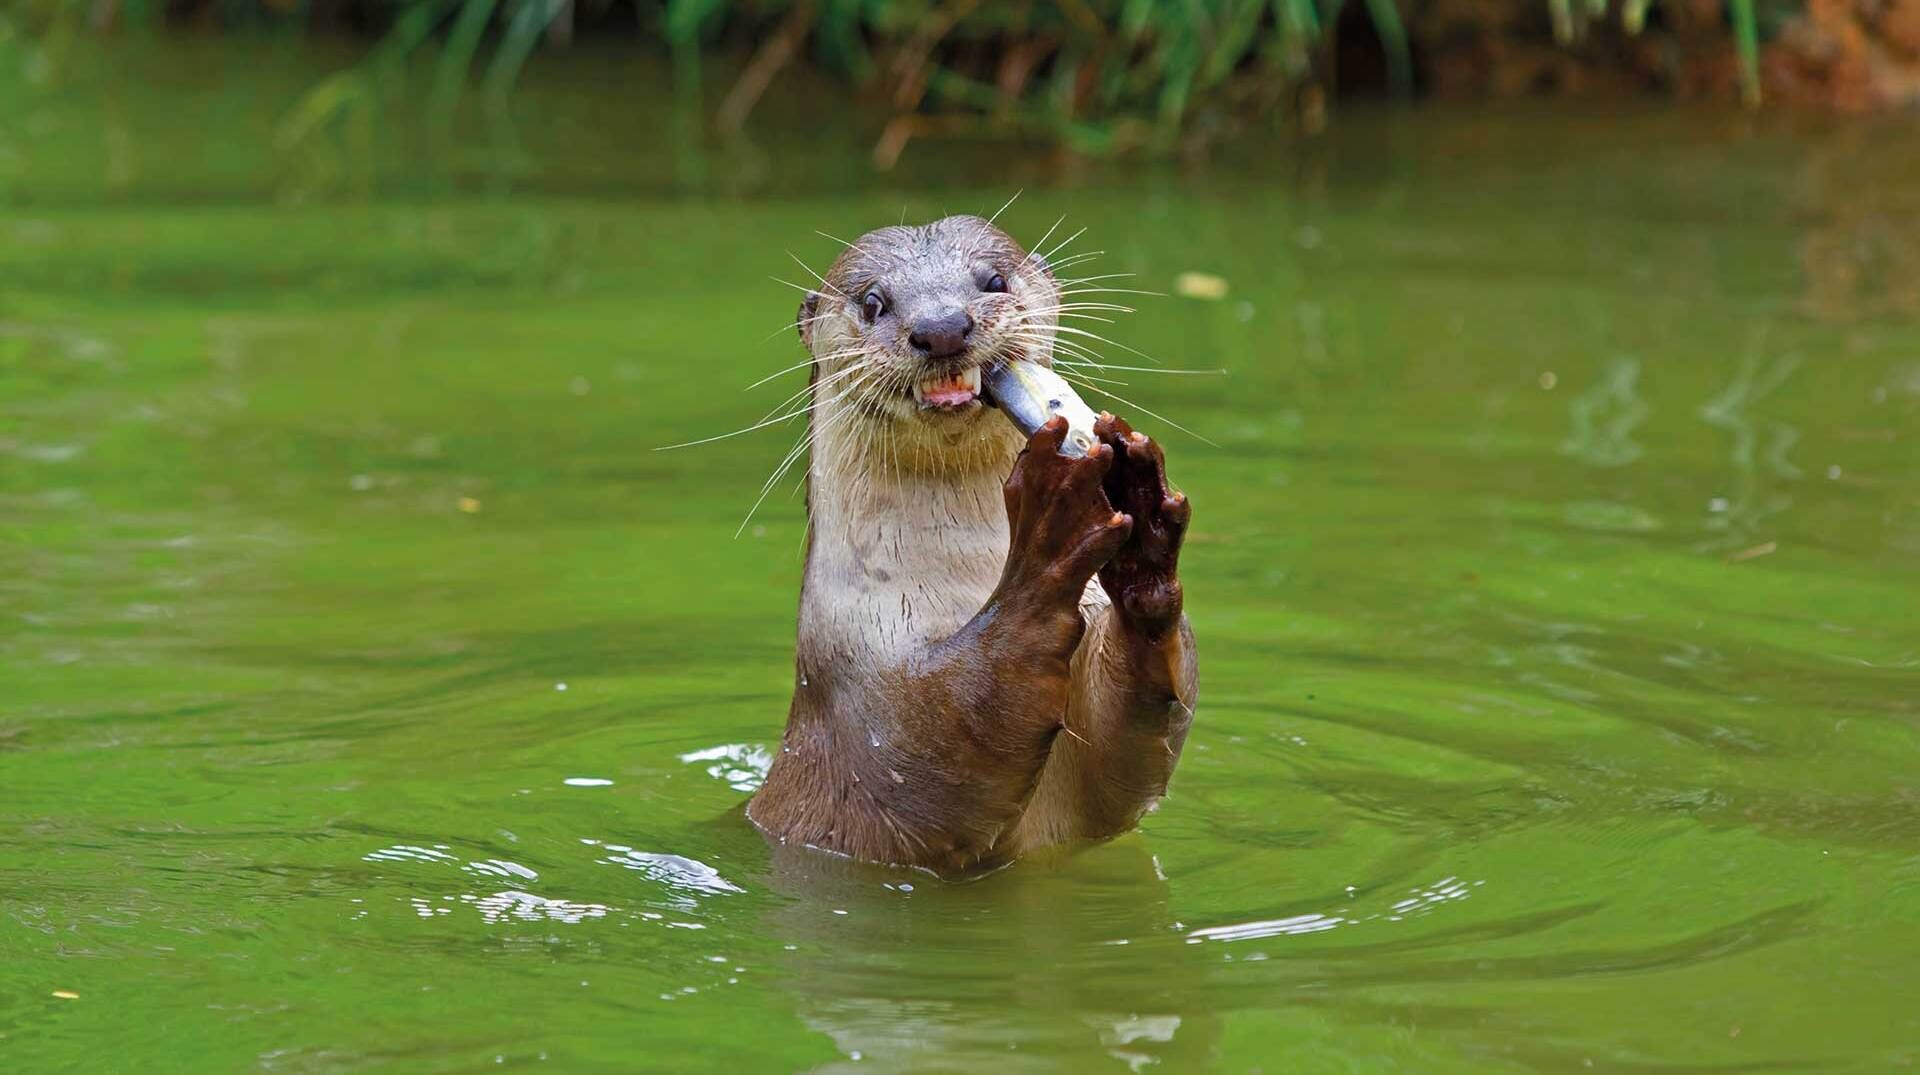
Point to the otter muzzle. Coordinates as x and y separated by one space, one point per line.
1031 394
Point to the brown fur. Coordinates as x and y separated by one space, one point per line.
976 674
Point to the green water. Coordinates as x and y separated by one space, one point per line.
1556 571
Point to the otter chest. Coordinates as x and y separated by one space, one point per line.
887 576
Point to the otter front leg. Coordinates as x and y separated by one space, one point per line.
1135 672
932 761
1001 686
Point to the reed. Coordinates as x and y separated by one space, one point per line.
1097 76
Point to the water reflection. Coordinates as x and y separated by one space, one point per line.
1605 415
741 766
1650 770
1758 450
1271 927
528 907
1040 961
1420 900
1860 253
685 880
684 875
410 852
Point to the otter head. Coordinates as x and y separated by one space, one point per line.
908 317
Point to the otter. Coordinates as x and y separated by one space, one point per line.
993 654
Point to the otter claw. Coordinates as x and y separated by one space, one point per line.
1142 577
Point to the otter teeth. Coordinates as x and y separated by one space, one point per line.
948 392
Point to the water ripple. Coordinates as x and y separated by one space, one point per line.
1272 927
1422 899
742 766
674 871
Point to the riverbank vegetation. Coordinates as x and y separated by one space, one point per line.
1094 77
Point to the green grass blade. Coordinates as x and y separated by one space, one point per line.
1393 41
450 74
1746 38
409 32
1231 43
530 20
1301 16
1633 15
1561 11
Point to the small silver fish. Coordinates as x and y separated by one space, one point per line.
1030 394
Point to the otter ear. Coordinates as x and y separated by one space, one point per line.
804 319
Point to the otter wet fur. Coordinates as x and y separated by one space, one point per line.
993 654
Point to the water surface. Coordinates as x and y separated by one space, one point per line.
374 697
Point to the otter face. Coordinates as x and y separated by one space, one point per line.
909 316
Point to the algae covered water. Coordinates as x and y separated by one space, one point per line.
373 697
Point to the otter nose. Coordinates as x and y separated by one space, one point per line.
943 335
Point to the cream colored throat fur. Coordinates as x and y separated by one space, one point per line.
908 535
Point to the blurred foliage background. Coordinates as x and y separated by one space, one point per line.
1166 78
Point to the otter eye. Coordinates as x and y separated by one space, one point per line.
872 306
996 282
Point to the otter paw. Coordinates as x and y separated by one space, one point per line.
1142 577
1061 526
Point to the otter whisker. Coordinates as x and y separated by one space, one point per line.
1075 307
1111 291
1076 287
800 444
1075 331
1086 317
835 238
1076 284
1070 370
772 419
791 284
1067 291
893 451
1059 346
856 395
786 464
841 354
1079 304
1034 251
1047 338
1070 311
815 386
792 326
1062 245
808 361
776 373
1074 259
800 366
1152 369
1008 205
1069 347
1116 397
724 436
1051 328
823 280
807 439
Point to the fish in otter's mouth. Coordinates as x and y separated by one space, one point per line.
1029 393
